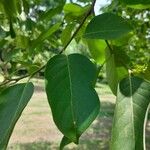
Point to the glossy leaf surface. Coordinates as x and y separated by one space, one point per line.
71 94
132 102
107 26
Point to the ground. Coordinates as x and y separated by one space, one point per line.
35 129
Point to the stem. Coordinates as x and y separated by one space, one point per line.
72 37
80 26
110 48
13 80
20 78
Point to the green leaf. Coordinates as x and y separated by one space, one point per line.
123 41
12 102
97 49
71 94
1 7
50 13
136 2
107 26
10 7
43 36
132 102
115 71
74 10
26 6
67 32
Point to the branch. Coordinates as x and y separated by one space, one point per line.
110 48
15 80
80 26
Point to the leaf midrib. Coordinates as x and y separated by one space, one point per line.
132 111
71 93
104 31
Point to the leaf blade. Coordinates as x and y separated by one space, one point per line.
107 26
132 102
70 93
18 97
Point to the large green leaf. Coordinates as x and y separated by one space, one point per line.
12 102
107 26
10 7
132 102
71 95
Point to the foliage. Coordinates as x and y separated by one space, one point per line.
35 34
131 106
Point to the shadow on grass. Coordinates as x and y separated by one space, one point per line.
97 137
34 146
84 145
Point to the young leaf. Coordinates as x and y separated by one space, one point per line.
67 32
12 102
71 95
133 99
97 49
147 73
107 26
43 36
75 10
51 13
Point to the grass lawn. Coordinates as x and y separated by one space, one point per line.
35 129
